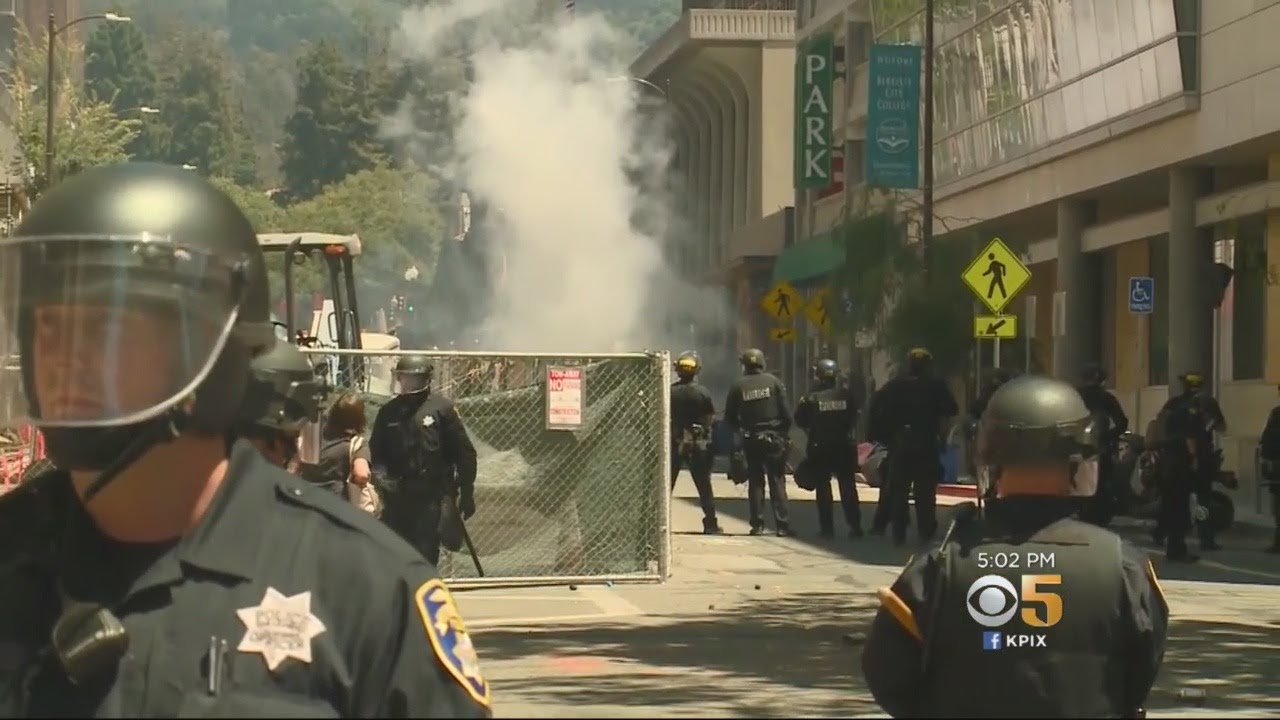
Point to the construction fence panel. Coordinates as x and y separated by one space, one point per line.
573 457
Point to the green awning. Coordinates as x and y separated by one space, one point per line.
810 259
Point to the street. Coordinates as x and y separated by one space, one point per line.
772 627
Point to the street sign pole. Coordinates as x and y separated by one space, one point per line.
995 360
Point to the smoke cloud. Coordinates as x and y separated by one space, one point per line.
571 160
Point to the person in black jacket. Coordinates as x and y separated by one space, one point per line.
828 415
907 416
693 414
1269 453
757 407
281 412
1022 610
1112 423
418 443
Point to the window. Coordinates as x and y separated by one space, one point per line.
1249 300
1158 321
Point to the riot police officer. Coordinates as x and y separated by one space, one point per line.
828 416
282 406
1269 454
908 414
1065 603
693 414
154 573
1111 423
757 407
1188 464
418 444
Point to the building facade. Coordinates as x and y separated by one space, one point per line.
1104 141
726 70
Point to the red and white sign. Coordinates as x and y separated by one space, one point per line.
564 397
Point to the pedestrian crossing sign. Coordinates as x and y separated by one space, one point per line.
996 276
782 302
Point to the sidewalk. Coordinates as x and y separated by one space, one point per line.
772 627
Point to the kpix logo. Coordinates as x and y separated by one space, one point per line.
993 601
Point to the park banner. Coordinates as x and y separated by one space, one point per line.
893 117
814 78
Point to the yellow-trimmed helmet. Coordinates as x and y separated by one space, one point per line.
688 363
1192 380
919 353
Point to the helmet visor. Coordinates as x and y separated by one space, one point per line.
1084 481
309 442
108 330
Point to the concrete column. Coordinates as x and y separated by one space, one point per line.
1190 279
1077 276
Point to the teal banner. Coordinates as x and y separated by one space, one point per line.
893 117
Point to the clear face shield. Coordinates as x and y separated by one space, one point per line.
100 331
1063 457
412 382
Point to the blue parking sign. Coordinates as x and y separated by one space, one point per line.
1142 295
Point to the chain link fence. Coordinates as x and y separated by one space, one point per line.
573 458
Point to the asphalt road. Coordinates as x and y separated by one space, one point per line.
772 627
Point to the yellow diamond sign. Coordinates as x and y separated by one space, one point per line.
782 302
818 312
996 276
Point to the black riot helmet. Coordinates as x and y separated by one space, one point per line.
1093 375
688 364
1192 382
284 393
919 361
752 360
1036 421
826 372
135 296
414 373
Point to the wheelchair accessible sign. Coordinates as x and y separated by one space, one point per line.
1142 295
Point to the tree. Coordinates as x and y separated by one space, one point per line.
892 295
86 133
118 71
388 209
330 134
202 118
265 214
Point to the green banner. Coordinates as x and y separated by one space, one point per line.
893 117
815 65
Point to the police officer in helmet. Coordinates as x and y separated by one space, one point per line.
282 407
1111 423
419 445
153 557
1188 464
828 415
907 416
1065 603
757 407
692 415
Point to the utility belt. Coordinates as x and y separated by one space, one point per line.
769 442
693 441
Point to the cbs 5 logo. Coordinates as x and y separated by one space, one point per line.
992 600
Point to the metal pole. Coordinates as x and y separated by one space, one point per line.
49 93
926 204
995 358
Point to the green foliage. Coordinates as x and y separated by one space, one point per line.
118 71
331 133
893 297
86 133
390 210
262 211
202 119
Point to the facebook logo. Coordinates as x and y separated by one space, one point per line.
991 641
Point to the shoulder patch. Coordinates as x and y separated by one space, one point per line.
449 638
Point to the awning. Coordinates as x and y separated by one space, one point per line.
810 259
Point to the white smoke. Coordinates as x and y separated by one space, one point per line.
551 134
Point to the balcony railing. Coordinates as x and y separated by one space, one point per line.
739 5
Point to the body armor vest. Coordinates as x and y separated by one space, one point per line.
760 400
1021 667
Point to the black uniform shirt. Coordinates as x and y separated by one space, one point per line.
691 404
422 425
757 401
828 416
323 610
894 654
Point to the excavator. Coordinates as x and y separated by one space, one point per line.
337 324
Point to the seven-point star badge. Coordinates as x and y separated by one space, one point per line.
281 627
